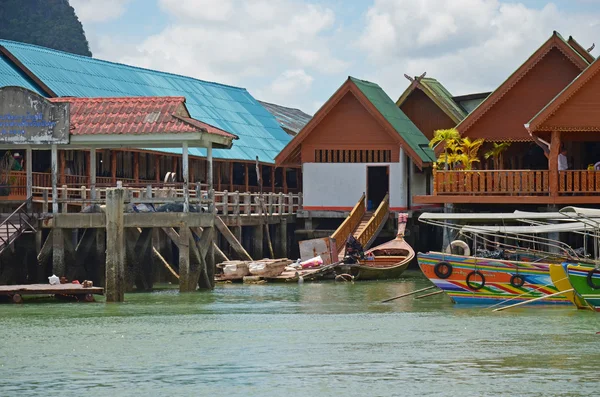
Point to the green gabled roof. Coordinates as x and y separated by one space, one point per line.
444 97
397 119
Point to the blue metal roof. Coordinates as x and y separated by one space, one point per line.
230 108
10 75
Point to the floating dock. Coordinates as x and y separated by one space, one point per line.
16 292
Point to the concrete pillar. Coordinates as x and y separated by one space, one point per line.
185 284
281 237
115 246
258 241
54 160
403 188
58 252
100 273
93 173
186 177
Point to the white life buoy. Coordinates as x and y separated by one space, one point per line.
461 244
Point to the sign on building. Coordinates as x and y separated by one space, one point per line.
27 118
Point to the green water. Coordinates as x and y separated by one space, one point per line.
296 340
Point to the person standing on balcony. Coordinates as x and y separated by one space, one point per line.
563 164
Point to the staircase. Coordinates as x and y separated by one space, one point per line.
14 225
362 224
364 221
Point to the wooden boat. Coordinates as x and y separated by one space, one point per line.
388 260
585 280
560 279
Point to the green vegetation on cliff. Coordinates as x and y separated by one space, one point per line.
48 23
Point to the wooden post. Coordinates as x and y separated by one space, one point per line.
54 156
157 168
64 196
58 252
115 246
553 163
93 173
218 176
290 203
209 159
246 179
185 176
225 203
230 176
185 284
258 241
83 193
273 179
45 201
247 204
29 170
136 166
236 204
282 236
285 186
280 204
113 166
62 167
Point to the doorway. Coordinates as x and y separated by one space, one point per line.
378 185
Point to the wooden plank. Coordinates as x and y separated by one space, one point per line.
49 289
233 242
510 183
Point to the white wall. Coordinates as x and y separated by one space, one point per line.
334 185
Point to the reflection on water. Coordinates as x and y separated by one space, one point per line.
321 339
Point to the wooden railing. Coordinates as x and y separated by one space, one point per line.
375 224
349 225
580 182
492 182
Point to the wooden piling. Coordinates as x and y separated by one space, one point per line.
185 284
282 238
258 241
115 245
58 252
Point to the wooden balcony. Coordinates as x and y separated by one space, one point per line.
514 187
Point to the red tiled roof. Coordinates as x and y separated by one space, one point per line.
133 116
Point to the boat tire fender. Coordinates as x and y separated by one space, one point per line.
475 287
443 270
466 251
516 280
590 279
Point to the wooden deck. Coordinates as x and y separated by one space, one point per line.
16 292
514 187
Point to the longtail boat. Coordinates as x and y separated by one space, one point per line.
386 261
585 280
509 276
560 279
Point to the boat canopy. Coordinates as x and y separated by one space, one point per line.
553 228
495 216
577 211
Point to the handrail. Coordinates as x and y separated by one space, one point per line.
374 225
21 224
349 224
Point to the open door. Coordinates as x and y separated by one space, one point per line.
378 185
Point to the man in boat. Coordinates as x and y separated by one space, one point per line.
354 250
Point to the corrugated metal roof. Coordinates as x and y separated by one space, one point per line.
10 75
444 97
396 117
290 119
133 116
229 108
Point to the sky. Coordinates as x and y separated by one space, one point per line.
298 52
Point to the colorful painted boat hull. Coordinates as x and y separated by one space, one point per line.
579 276
560 279
497 275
